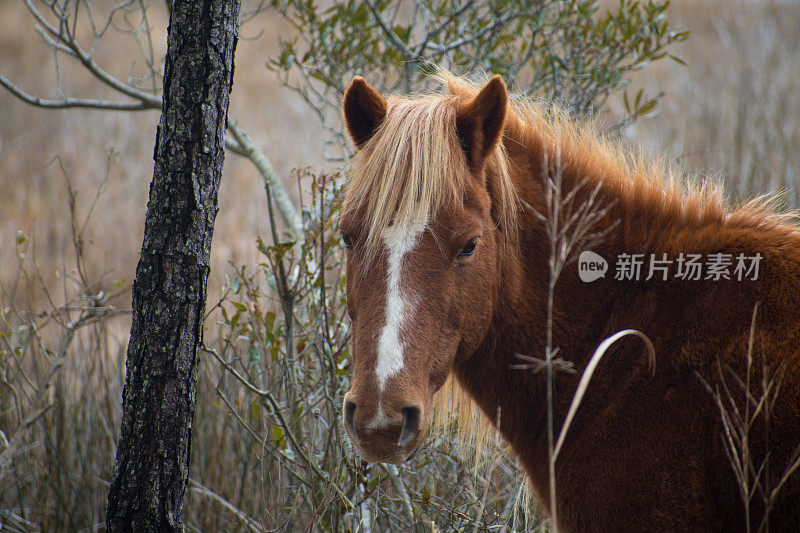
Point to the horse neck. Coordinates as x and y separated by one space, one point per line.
496 375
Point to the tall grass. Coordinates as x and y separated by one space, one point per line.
734 111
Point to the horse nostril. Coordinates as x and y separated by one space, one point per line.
411 419
349 412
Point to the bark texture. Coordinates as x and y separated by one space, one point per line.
169 292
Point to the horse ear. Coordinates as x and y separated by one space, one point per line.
479 122
364 109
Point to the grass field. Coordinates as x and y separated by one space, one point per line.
731 113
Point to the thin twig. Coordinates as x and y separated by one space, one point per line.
276 410
252 525
67 103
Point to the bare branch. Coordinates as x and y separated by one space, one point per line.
276 410
66 103
68 40
251 524
242 144
395 41
400 487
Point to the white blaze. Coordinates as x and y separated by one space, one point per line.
399 241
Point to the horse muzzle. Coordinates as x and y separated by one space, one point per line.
384 436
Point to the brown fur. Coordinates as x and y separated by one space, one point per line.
644 452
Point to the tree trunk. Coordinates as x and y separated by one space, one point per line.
169 292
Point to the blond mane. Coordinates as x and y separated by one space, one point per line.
542 128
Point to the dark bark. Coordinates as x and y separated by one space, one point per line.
169 292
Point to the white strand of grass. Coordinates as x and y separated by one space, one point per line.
589 372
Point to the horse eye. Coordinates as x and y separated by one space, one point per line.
468 250
346 240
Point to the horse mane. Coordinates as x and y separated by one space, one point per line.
544 129
414 165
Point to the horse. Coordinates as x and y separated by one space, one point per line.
448 271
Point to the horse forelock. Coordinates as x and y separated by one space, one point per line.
407 171
412 167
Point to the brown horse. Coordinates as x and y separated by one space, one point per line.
447 276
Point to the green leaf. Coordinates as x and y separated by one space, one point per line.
373 482
255 409
403 33
235 284
647 107
269 320
254 355
277 435
273 351
278 251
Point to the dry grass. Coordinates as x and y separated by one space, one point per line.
734 110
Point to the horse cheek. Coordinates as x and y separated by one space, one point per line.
476 309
